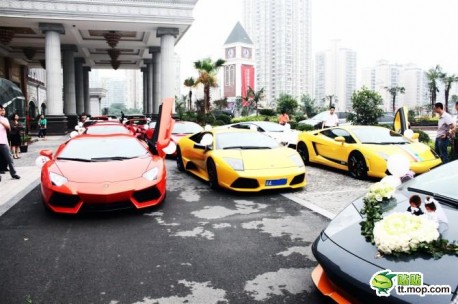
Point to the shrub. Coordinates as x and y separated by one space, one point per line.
304 127
267 112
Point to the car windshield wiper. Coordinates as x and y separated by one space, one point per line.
445 199
246 147
74 158
112 158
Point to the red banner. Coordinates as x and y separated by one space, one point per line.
247 78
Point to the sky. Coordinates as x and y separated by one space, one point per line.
423 32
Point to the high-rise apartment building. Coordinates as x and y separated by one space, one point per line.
335 76
281 35
386 75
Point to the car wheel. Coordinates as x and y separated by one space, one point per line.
212 175
357 166
180 164
304 153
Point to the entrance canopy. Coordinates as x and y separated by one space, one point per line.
105 33
11 97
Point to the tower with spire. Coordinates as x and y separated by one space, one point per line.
239 66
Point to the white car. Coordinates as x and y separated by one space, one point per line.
282 134
316 120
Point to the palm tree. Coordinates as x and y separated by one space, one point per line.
330 97
433 75
190 82
207 76
448 81
394 91
254 97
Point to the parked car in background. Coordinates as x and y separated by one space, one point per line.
317 120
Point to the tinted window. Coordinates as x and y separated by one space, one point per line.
333 133
97 147
244 140
378 135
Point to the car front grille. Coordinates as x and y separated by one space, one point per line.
148 194
245 183
298 179
64 200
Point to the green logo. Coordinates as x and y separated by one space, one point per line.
382 282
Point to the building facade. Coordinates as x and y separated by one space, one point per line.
335 77
281 35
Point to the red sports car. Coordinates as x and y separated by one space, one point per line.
99 172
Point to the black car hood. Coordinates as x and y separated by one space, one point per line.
442 271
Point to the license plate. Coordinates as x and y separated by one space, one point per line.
276 182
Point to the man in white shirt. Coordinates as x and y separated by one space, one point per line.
331 119
445 129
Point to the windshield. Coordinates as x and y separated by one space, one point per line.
270 126
378 135
89 148
244 140
440 182
97 130
186 128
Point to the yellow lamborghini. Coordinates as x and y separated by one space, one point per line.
240 160
364 150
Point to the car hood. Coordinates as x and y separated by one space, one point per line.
415 152
348 237
96 172
263 159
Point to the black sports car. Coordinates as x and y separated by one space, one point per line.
351 269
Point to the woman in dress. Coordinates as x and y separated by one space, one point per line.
15 135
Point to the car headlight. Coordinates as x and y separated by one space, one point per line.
151 174
57 179
235 163
297 160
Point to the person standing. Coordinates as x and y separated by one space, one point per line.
455 138
283 119
15 135
331 119
4 146
445 128
42 125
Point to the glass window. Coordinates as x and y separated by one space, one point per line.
253 140
378 135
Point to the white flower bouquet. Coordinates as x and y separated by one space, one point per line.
403 232
380 191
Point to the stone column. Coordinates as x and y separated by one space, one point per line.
79 86
156 54
149 85
145 85
167 36
68 52
57 121
87 100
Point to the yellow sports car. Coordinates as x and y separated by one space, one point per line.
240 160
364 150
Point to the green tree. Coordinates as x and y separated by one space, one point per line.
308 105
254 97
394 92
330 98
433 75
189 82
286 102
366 107
207 76
220 104
180 106
448 80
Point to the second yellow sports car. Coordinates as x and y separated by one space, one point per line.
241 160
363 150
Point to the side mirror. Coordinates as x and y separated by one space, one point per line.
340 139
47 153
415 136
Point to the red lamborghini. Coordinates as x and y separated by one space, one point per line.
106 172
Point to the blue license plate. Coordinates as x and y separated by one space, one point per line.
276 182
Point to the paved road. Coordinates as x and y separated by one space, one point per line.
200 246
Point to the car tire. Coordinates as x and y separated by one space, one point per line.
303 152
180 163
212 175
357 166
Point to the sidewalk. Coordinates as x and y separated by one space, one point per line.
13 190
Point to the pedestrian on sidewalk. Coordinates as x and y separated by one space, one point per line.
4 146
42 125
15 135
